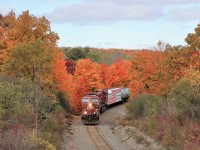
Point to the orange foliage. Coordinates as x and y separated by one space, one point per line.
104 74
7 37
117 74
23 29
86 79
147 72
89 76
62 78
176 62
195 60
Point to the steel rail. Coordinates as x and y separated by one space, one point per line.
97 138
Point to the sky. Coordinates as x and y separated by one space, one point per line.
127 24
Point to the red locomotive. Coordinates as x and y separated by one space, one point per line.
93 104
90 109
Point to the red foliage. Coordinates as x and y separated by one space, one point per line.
70 66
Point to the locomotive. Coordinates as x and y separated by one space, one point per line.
90 109
93 104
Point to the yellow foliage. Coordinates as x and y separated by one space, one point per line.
34 142
193 75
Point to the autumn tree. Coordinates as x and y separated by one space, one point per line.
23 29
111 56
181 58
7 36
193 39
28 52
147 72
86 79
70 66
104 74
175 75
32 61
118 74
63 80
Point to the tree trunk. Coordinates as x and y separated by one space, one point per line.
36 107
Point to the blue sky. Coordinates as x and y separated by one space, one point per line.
128 24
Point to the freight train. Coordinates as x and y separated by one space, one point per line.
93 104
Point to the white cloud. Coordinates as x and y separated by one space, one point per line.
149 1
184 14
91 12
101 11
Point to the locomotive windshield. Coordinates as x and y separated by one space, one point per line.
85 100
94 100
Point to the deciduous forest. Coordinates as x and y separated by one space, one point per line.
41 82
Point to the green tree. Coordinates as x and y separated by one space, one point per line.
76 53
112 56
94 56
16 101
187 99
10 99
32 61
145 105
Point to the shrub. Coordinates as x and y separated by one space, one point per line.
64 101
187 99
145 105
32 142
12 138
136 108
11 97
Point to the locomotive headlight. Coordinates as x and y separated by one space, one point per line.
90 105
85 112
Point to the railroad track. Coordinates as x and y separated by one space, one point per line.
97 138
